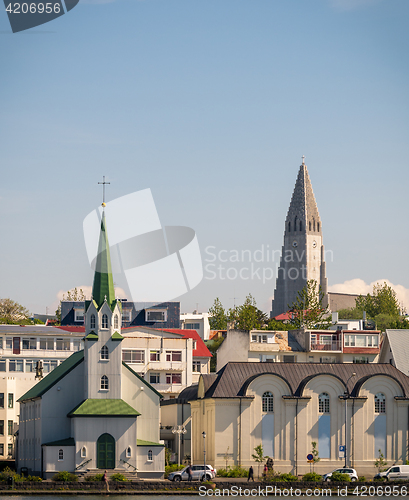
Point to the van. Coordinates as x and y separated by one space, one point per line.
397 472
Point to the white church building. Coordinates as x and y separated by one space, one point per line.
93 411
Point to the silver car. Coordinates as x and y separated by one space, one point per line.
345 470
198 473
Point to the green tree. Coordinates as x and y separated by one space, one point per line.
314 453
213 345
259 457
73 295
12 312
308 309
380 462
218 316
383 300
248 316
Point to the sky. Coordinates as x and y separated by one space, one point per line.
210 104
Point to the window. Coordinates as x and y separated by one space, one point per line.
318 226
116 321
361 359
11 400
150 456
156 315
104 383
173 355
192 326
361 341
16 365
154 356
154 378
49 365
262 339
309 225
92 323
10 450
323 403
300 225
83 452
196 366
30 366
62 345
133 356
1 427
173 378
1 399
128 452
380 405
104 352
104 322
126 317
76 345
60 454
47 344
10 427
30 343
79 315
9 343
1 342
289 359
1 449
267 402
2 365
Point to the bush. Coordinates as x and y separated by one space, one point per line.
97 477
287 477
338 476
118 477
35 479
172 468
7 472
235 471
64 476
312 476
361 478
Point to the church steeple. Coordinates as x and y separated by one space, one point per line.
103 286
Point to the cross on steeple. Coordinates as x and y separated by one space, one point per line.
303 158
103 190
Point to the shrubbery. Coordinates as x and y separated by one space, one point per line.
97 477
277 476
64 476
172 468
235 471
118 477
338 476
362 478
312 476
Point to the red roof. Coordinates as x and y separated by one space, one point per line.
201 350
72 329
284 316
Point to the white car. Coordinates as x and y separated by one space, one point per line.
345 470
198 473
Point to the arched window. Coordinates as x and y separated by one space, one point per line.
380 406
309 225
92 321
318 226
267 401
295 223
150 456
300 225
104 321
289 227
83 452
104 382
104 352
313 223
60 454
128 452
323 403
116 322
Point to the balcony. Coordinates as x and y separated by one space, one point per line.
334 345
169 366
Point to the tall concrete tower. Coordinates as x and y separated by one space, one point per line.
302 256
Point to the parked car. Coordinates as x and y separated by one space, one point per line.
394 472
198 474
345 470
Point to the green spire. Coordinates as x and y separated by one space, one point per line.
103 286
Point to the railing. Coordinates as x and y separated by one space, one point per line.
83 463
127 463
335 345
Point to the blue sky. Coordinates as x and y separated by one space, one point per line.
211 104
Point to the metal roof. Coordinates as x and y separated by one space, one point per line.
103 408
399 345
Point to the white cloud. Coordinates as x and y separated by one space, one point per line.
358 286
119 293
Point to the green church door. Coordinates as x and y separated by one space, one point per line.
106 452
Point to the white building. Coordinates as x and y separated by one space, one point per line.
196 321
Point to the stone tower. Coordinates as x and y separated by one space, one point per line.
302 256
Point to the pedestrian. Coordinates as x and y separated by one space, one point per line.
251 474
189 474
265 471
106 480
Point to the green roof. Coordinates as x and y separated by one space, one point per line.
91 336
55 376
142 380
103 286
61 442
141 442
116 336
103 408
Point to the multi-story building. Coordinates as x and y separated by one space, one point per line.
21 348
196 321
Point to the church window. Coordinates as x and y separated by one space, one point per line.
318 226
104 352
104 383
313 223
323 403
60 454
116 321
268 402
309 225
289 227
92 322
150 456
128 452
380 405
295 223
83 452
300 225
104 321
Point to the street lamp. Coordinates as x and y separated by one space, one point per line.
346 396
180 430
204 455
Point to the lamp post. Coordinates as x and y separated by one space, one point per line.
204 455
346 396
180 430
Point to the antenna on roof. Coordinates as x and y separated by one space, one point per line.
103 190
